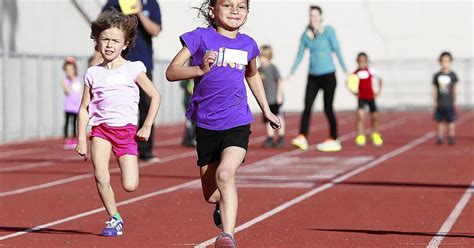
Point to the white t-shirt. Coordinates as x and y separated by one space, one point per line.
115 94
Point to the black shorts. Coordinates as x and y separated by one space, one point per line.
445 113
211 143
276 109
370 103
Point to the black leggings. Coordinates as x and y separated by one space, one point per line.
70 116
327 83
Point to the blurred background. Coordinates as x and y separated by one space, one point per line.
402 38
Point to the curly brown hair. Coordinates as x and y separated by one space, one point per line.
113 18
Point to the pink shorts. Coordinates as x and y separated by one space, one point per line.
122 138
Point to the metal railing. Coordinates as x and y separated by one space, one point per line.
31 99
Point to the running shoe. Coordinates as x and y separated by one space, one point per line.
451 140
69 144
225 240
300 142
268 142
439 141
377 139
280 142
360 140
217 217
330 145
113 228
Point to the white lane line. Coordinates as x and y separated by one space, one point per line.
325 186
98 210
89 175
37 164
126 202
19 152
452 218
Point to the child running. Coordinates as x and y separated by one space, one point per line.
366 97
274 92
444 99
110 105
72 88
220 59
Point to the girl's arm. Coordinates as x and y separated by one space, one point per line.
335 46
299 55
82 120
380 86
455 93
149 88
256 86
280 91
65 88
177 70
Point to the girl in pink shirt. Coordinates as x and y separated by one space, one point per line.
72 88
110 105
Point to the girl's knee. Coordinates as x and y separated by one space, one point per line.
224 177
130 185
102 178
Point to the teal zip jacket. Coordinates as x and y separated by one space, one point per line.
321 49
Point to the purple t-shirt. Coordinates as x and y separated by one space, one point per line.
219 100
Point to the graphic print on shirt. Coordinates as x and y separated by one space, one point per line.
233 58
444 81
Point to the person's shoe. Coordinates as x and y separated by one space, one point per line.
113 228
439 141
225 240
451 140
377 139
69 144
360 140
280 142
300 142
268 142
330 145
217 217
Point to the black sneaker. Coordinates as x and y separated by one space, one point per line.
149 159
217 217
268 142
439 141
280 142
451 140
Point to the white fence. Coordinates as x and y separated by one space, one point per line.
31 99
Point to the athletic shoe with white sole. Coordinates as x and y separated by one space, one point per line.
113 228
225 240
377 139
330 145
301 142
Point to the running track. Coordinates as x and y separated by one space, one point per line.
408 193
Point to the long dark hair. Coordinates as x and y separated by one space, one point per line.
203 11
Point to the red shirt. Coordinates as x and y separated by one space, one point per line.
366 90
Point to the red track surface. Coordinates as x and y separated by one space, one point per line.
399 198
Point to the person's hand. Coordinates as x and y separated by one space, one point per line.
208 60
144 133
81 148
273 119
377 93
279 98
138 6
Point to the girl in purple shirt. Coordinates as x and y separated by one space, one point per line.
72 88
220 59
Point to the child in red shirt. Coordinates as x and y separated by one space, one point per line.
366 97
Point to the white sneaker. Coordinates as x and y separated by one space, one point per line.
329 145
300 142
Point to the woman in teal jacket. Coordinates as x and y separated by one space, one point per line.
322 43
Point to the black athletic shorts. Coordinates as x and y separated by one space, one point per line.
370 103
445 113
211 143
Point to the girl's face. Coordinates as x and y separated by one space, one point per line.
111 43
229 14
69 70
315 18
